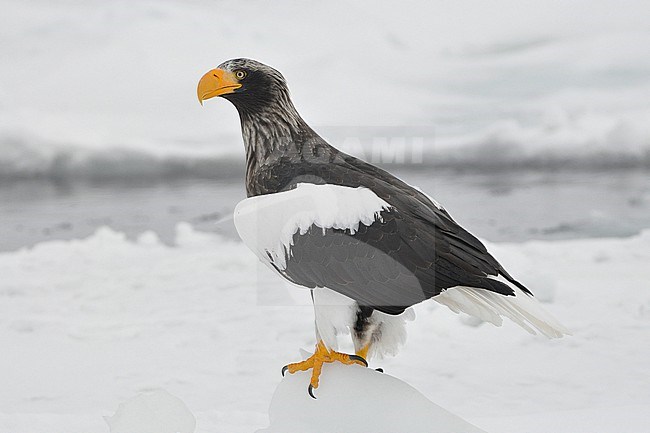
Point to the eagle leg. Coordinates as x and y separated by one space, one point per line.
322 355
363 352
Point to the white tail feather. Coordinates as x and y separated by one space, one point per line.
489 306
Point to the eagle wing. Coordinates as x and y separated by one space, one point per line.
387 255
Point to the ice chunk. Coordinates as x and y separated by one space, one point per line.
152 412
355 399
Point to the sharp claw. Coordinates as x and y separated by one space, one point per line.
381 370
311 391
284 370
359 358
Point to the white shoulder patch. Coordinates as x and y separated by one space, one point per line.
267 223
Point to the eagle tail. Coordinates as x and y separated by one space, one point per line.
521 308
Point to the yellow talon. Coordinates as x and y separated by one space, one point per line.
321 356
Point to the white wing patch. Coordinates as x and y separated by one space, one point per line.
267 223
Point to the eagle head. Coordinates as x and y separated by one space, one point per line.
248 84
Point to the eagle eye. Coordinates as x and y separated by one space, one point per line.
240 74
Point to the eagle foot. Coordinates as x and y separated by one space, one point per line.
321 356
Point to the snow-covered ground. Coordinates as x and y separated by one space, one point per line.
87 324
107 89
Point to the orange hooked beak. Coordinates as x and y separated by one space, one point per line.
216 82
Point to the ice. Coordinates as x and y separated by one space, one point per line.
355 399
152 412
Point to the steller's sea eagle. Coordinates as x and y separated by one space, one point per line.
367 244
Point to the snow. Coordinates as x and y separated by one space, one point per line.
107 89
87 324
267 223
